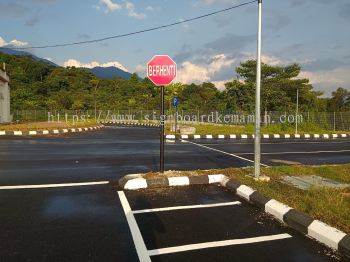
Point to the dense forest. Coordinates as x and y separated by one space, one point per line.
37 85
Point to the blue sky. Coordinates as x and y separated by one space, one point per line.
314 33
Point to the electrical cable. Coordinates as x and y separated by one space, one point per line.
135 32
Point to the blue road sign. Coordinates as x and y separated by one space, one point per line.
175 101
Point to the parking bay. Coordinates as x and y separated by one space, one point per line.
209 223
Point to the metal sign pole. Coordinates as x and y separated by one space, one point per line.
162 123
175 119
161 70
257 155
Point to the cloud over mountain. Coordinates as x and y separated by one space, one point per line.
76 63
13 43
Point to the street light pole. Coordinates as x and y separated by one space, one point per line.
257 155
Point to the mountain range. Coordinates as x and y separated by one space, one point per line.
100 72
109 72
9 51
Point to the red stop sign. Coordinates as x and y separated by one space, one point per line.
161 70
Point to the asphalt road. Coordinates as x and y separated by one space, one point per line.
88 223
114 152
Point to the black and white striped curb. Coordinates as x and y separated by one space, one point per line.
128 123
263 136
301 222
47 132
233 136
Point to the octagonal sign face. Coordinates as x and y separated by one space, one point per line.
161 70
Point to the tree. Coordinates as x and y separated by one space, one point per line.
340 100
37 85
279 88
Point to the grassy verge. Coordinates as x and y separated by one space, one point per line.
331 206
205 129
44 125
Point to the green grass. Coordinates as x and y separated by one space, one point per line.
331 206
45 125
205 129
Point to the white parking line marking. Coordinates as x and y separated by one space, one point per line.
223 152
185 207
135 231
54 185
232 242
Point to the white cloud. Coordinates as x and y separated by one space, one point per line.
210 2
110 5
191 73
13 43
141 69
267 59
218 62
271 60
76 63
131 11
328 80
18 43
2 41
221 84
324 80
337 76
198 73
276 61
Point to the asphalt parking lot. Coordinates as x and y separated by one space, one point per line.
64 224
208 223
88 223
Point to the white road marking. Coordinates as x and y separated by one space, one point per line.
300 152
53 185
223 152
185 207
232 242
135 231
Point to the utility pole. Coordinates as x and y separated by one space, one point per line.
257 156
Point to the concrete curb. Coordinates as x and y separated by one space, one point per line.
263 136
232 136
299 221
128 124
47 132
